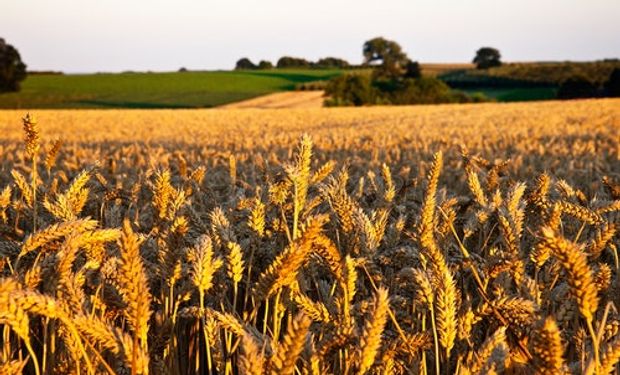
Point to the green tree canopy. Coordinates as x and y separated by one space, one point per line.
389 56
292 62
244 64
487 57
332 62
265 65
577 87
612 86
12 69
413 70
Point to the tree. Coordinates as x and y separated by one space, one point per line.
332 62
487 57
265 65
612 86
292 62
412 70
388 54
577 87
244 64
12 69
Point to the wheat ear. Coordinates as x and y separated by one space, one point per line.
133 284
289 350
31 129
547 348
370 341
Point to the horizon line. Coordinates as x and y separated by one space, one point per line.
129 70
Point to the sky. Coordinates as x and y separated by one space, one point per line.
163 35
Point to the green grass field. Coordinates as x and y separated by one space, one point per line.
154 90
515 94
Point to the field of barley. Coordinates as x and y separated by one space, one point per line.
450 239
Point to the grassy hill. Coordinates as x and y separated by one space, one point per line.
526 81
154 90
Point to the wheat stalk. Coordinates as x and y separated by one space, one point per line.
291 347
134 285
370 342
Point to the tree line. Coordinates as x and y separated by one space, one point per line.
377 50
288 62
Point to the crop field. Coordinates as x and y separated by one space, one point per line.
435 69
448 239
288 99
155 90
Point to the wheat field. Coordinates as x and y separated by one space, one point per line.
467 239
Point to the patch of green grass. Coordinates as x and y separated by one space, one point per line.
516 94
155 90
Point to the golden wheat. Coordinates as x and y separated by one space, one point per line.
430 239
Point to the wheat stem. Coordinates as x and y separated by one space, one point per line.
595 344
435 340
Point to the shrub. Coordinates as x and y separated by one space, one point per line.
612 86
478 97
413 70
292 62
244 64
331 63
351 89
425 90
360 89
265 65
577 87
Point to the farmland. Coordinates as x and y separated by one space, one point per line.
154 90
470 239
206 89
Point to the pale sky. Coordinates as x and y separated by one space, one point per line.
164 35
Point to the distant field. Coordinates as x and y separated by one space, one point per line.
278 100
515 94
435 69
155 90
